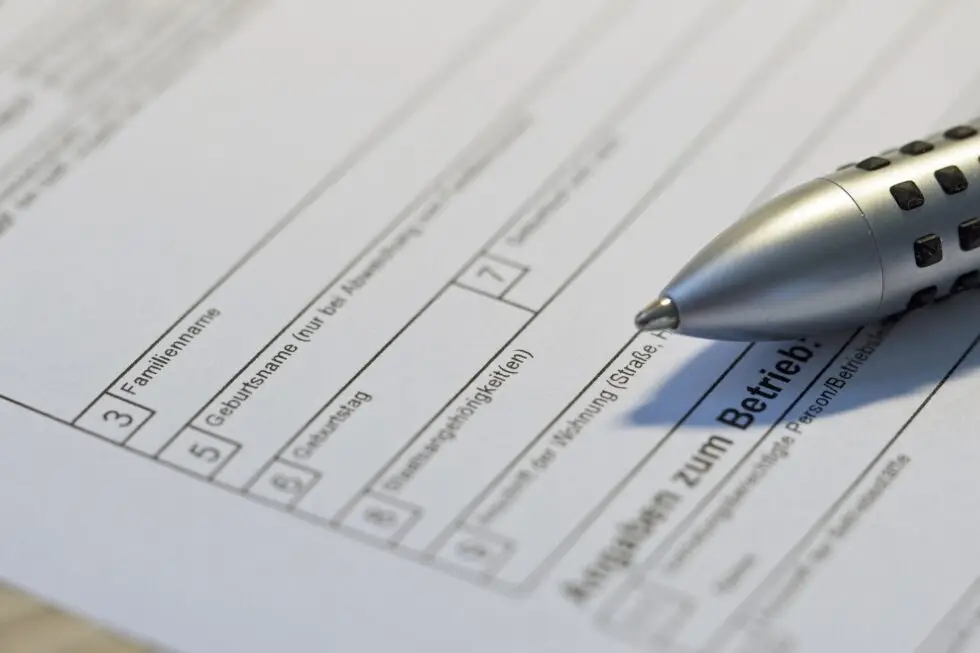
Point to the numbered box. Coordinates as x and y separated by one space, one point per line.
284 482
649 614
759 637
491 276
476 550
199 452
382 517
113 418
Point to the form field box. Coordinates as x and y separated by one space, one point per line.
382 518
113 418
757 637
284 483
458 333
491 276
475 550
199 452
649 615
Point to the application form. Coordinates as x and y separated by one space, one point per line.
316 328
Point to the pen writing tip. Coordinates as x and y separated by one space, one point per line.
658 315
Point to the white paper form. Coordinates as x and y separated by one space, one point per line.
316 328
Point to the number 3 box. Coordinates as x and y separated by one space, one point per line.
113 418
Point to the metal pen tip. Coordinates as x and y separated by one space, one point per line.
659 314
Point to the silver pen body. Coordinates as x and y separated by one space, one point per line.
872 240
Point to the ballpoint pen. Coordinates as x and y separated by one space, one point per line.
870 241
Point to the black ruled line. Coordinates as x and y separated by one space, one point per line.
658 72
497 26
738 615
705 501
513 115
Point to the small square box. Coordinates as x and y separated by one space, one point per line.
491 276
928 250
476 550
907 195
199 452
969 232
114 418
382 518
284 483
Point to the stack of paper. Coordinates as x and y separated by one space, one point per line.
316 328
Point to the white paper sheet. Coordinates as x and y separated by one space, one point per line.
316 328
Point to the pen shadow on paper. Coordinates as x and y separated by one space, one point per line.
914 355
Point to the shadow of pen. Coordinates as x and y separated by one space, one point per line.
937 325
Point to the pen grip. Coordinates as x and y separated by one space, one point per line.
921 201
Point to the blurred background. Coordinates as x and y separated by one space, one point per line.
30 626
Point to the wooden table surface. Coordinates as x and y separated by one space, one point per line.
29 626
